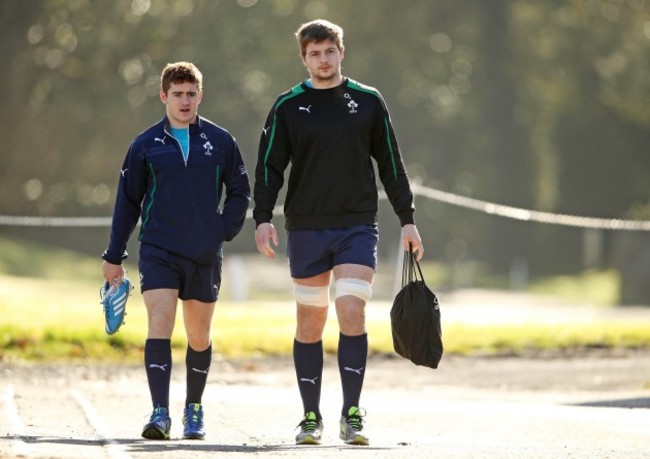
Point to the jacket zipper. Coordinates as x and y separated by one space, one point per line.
180 147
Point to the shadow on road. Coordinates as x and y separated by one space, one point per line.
170 446
641 402
137 445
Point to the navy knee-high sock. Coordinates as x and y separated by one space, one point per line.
308 361
158 363
352 359
198 365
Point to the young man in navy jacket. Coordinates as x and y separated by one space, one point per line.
174 178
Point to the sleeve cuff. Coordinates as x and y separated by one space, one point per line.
113 259
406 219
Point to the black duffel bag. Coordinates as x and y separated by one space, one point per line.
415 318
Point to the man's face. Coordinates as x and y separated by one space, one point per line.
323 61
182 103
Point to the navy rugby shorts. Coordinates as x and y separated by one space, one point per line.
194 281
313 252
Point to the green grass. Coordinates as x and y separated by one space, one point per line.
49 304
593 287
27 259
54 319
542 339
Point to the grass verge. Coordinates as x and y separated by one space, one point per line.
54 320
49 305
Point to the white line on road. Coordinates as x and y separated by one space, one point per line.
115 450
20 447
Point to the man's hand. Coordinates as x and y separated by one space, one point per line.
112 272
410 235
264 234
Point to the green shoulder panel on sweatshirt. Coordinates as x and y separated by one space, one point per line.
296 90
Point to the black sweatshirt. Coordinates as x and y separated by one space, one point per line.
329 136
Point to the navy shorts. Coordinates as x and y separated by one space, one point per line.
194 281
313 252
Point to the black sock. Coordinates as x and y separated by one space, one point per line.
352 357
308 361
158 363
198 365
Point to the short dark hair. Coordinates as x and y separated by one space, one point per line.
180 72
316 31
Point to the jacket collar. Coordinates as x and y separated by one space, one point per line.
195 128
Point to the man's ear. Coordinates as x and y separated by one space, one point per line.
163 97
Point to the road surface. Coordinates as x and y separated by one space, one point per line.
590 405
579 407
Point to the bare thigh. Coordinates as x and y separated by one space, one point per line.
161 312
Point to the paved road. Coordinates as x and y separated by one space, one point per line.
596 407
585 406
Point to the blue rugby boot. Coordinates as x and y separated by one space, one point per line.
113 299
158 426
193 422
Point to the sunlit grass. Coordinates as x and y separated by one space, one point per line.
49 309
53 319
46 319
34 261
531 338
593 287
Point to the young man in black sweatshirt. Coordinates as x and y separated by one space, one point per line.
330 128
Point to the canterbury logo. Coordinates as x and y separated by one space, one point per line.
313 381
156 139
123 171
162 367
354 370
306 109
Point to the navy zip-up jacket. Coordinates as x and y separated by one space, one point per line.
178 200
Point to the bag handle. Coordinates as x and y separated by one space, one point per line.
406 269
411 268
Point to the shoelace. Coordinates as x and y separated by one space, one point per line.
308 425
157 416
193 421
101 300
355 422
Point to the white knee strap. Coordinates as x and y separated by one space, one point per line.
354 287
311 296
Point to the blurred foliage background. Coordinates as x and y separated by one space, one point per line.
539 105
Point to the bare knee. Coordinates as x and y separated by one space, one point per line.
199 342
351 315
198 323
